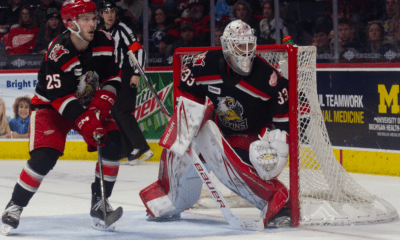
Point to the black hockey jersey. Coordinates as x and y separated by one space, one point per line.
68 79
241 103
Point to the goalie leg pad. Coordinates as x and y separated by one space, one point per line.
177 188
231 171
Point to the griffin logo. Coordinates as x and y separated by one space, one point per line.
198 60
57 52
230 113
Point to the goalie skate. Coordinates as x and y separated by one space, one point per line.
163 218
10 218
281 219
97 214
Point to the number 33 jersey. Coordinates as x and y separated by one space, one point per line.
68 77
242 104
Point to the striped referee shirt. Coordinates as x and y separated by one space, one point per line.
124 37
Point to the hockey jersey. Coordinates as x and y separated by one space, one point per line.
68 79
241 103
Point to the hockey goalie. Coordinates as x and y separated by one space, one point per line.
233 112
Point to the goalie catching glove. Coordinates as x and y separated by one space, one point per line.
269 155
89 125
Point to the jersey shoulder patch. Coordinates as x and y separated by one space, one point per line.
57 51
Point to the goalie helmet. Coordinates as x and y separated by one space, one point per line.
239 46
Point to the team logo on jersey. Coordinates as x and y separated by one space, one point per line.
87 87
273 80
57 52
230 113
198 60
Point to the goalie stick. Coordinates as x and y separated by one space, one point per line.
234 221
148 84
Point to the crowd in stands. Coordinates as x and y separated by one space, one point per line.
368 30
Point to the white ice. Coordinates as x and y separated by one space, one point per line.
60 209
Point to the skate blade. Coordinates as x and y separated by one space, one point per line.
99 225
6 229
146 156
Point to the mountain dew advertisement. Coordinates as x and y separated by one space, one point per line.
151 119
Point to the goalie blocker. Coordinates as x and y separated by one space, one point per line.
179 185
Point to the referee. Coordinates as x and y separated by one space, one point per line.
134 143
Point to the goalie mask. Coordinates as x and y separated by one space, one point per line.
239 46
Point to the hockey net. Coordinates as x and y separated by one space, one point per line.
322 192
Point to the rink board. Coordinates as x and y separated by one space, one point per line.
357 161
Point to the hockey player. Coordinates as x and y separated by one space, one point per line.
77 86
134 143
250 100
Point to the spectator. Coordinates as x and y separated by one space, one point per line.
346 37
222 9
394 31
320 39
377 42
187 40
22 39
267 25
19 125
200 22
138 31
11 14
388 15
158 29
241 10
4 127
133 9
218 33
41 11
159 58
52 28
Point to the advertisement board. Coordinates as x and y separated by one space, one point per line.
148 113
361 107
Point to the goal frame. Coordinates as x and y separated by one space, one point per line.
293 111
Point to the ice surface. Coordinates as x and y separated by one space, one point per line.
60 209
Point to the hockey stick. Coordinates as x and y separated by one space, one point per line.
148 84
114 215
102 189
234 221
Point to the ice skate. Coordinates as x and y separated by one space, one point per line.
163 218
281 219
139 155
97 214
10 218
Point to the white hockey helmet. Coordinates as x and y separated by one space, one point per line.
239 46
